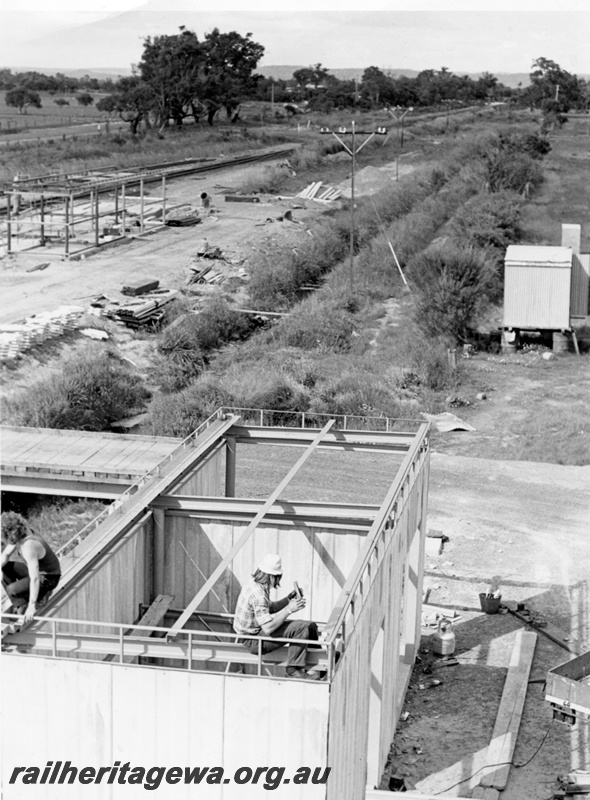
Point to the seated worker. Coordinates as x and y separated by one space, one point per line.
257 615
31 578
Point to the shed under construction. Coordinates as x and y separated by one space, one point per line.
69 215
135 660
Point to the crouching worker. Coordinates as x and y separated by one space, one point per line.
30 568
257 615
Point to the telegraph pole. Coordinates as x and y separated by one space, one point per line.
352 151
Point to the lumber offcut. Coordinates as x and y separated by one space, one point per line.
503 742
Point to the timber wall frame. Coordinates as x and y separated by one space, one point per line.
370 612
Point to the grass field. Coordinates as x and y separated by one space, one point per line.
50 114
565 195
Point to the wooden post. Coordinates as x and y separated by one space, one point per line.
116 204
230 466
42 217
72 203
67 226
123 211
96 222
141 186
159 539
163 199
8 224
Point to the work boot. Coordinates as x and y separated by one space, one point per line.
294 672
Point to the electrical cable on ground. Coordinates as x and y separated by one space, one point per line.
500 764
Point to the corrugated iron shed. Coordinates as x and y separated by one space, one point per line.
537 287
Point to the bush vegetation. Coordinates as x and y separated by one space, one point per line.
451 287
185 346
88 394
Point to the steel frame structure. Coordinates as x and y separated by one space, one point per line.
151 495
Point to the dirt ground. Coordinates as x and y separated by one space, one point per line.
526 522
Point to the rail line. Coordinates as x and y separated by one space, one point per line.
106 178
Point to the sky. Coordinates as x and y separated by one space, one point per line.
464 36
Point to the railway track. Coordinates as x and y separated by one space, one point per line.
107 179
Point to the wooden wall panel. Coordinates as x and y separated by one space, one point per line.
113 590
52 727
155 717
208 479
386 599
319 560
275 723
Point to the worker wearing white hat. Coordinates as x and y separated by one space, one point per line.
257 615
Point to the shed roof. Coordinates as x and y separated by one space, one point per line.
534 255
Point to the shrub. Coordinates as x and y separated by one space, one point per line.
316 326
242 385
276 280
262 386
488 221
359 393
265 179
451 285
219 323
179 358
91 392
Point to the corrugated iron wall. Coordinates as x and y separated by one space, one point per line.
156 717
536 297
580 297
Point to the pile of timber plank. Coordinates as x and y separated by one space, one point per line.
205 275
320 192
146 312
35 330
142 286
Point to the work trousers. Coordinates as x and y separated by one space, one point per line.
16 581
296 629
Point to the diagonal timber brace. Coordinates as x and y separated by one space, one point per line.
217 573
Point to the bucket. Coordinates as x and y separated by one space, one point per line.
489 603
560 343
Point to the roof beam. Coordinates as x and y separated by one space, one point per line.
217 573
373 441
341 515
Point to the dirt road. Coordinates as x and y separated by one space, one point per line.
240 230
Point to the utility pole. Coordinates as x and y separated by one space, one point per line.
399 118
353 151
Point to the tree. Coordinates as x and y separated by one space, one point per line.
230 61
22 99
61 102
85 99
314 76
553 87
131 100
376 86
172 69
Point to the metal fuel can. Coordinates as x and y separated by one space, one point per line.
444 638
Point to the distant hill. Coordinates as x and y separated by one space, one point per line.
285 72
99 74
